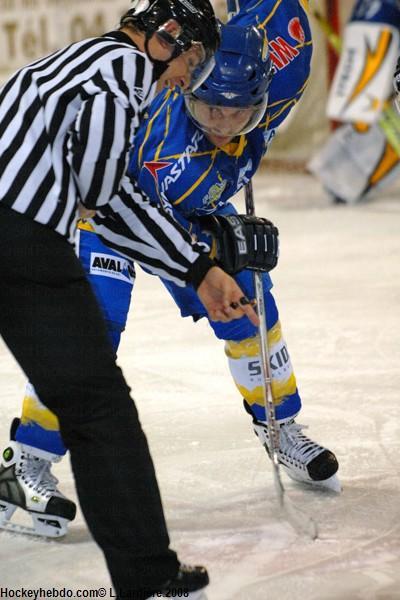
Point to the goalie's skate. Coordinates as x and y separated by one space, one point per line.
301 458
26 482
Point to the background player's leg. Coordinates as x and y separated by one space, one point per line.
36 440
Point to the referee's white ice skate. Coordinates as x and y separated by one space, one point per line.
26 482
302 459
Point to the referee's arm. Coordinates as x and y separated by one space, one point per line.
147 234
98 147
98 155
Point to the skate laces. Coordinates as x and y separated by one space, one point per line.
296 445
35 472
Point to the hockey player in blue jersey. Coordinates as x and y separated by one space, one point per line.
193 154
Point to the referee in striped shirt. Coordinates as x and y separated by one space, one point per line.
66 123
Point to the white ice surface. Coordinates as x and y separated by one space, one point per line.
338 290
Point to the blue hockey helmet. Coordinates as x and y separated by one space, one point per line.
240 80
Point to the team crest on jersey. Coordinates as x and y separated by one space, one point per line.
112 266
296 30
211 199
153 166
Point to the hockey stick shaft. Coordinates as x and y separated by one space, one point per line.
301 522
264 351
389 121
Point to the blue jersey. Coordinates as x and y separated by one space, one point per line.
172 159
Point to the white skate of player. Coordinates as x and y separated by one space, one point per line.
27 483
302 459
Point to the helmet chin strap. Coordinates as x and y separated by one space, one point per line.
159 65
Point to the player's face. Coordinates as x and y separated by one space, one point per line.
180 69
221 123
162 46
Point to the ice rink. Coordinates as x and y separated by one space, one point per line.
338 290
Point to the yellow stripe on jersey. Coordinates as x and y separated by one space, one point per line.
305 5
198 180
288 102
303 44
235 148
282 109
300 91
270 15
150 126
166 130
232 149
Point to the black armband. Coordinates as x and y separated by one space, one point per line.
199 270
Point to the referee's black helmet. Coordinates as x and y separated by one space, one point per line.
197 21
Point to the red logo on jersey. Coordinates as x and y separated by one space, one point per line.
282 53
154 166
296 30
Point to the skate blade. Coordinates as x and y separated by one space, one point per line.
47 526
6 511
332 484
16 528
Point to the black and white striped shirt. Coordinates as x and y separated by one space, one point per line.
66 125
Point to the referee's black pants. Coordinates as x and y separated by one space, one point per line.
50 320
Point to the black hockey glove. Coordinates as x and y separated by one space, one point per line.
243 242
